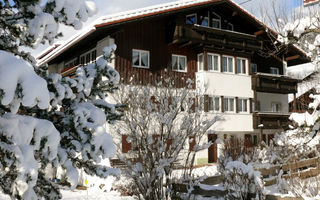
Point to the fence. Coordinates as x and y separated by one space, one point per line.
302 169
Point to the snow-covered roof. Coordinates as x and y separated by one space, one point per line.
120 17
301 71
310 2
136 14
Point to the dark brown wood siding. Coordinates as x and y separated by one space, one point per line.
150 36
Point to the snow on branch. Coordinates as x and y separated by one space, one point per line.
21 138
19 84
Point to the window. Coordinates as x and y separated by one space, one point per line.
205 21
243 105
227 64
274 70
214 103
213 61
230 27
241 66
254 68
200 62
140 58
179 63
228 104
191 19
88 57
275 107
216 20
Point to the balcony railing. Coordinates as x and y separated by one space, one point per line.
271 120
274 83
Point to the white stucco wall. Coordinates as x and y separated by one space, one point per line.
266 99
225 84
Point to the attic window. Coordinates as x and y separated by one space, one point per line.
205 21
191 19
216 20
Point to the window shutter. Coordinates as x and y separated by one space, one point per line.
169 142
247 140
250 105
237 106
192 142
126 146
205 103
222 104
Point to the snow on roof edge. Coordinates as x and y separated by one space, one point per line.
115 17
63 47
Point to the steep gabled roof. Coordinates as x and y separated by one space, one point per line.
138 14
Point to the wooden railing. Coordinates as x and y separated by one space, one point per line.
302 169
274 83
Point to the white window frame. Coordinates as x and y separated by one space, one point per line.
242 100
141 51
217 20
272 106
178 61
246 61
229 103
233 64
219 62
198 62
274 68
193 14
229 24
213 104
85 54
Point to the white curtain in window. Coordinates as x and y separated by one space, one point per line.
144 59
135 58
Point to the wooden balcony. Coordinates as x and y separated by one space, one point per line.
208 37
274 83
271 120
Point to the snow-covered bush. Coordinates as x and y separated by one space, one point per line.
47 120
241 180
160 123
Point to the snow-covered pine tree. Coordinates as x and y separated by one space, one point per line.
164 126
46 119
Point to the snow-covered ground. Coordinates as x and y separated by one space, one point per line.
91 194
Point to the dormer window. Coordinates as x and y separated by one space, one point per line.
191 19
216 20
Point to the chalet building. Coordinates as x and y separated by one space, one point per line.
214 42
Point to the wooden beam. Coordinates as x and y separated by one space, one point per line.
258 32
234 13
277 58
292 57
